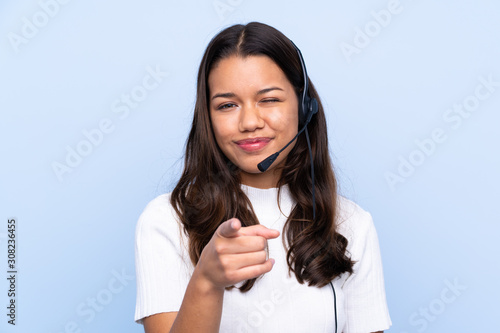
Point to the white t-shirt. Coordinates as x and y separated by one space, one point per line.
277 302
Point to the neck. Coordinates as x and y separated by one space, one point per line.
268 179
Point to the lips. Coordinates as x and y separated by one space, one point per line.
253 144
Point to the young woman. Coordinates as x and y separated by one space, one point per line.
235 249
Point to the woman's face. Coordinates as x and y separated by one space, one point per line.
254 113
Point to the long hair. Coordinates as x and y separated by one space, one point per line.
209 192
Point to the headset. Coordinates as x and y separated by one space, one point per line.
308 107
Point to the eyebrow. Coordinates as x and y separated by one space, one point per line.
260 92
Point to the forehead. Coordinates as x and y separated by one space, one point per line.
236 73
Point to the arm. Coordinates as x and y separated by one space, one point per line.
200 311
159 322
200 303
234 254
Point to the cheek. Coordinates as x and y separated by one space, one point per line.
284 121
221 127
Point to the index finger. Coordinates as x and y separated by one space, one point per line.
259 230
229 228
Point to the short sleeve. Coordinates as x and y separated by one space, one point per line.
364 290
162 271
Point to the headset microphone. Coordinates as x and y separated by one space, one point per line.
265 164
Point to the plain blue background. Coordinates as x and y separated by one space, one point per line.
438 223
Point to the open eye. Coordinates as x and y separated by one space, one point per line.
226 106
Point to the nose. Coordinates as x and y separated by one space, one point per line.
250 119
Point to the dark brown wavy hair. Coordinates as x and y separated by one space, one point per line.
209 193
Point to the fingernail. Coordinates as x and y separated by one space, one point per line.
272 261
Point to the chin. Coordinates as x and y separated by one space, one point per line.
250 169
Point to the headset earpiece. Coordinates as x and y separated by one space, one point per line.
313 106
307 110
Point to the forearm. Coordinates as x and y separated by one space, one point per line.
201 308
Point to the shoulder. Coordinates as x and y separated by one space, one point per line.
160 204
351 218
355 224
158 217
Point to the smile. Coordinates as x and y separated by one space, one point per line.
254 144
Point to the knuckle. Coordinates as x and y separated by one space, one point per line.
257 271
262 243
224 262
220 247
